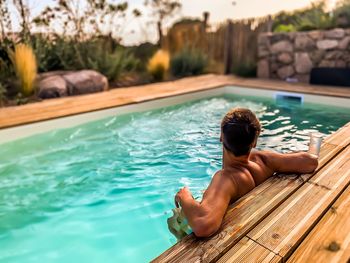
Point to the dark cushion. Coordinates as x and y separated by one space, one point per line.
330 76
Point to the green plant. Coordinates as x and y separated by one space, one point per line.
285 28
342 13
245 70
311 18
2 94
188 63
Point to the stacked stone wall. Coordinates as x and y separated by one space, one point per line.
293 55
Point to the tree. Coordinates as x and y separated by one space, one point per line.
5 20
162 10
83 18
24 13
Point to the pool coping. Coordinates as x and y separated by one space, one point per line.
69 106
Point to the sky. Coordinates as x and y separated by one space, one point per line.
140 30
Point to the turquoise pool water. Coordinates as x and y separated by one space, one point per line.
101 192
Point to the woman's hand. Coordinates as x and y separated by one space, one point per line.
183 194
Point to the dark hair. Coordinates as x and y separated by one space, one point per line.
240 128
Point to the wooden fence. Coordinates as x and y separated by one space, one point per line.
231 46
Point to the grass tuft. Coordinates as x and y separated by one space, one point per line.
158 65
24 62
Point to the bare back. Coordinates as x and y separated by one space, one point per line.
246 176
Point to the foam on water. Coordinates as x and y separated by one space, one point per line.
101 192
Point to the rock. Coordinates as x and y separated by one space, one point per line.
303 63
316 56
304 78
337 33
327 64
285 72
85 81
263 69
316 35
327 44
279 37
274 67
282 46
304 43
344 43
53 86
263 52
340 64
285 58
264 39
333 55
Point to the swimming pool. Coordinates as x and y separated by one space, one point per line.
101 191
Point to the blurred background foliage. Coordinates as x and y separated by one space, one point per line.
193 47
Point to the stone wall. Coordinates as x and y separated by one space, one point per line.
293 55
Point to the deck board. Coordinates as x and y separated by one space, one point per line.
248 251
341 137
243 216
56 108
286 227
329 241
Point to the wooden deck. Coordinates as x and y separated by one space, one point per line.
56 108
288 218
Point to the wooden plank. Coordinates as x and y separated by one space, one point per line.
241 217
249 251
341 137
326 178
328 151
286 227
55 108
329 241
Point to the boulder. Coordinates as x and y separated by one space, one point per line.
285 58
340 64
279 37
344 43
316 34
263 51
327 64
303 43
85 82
63 83
285 72
303 63
263 69
337 33
53 86
327 44
317 55
263 39
334 54
282 46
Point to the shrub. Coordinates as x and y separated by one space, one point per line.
2 94
24 62
188 63
246 70
285 28
158 65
